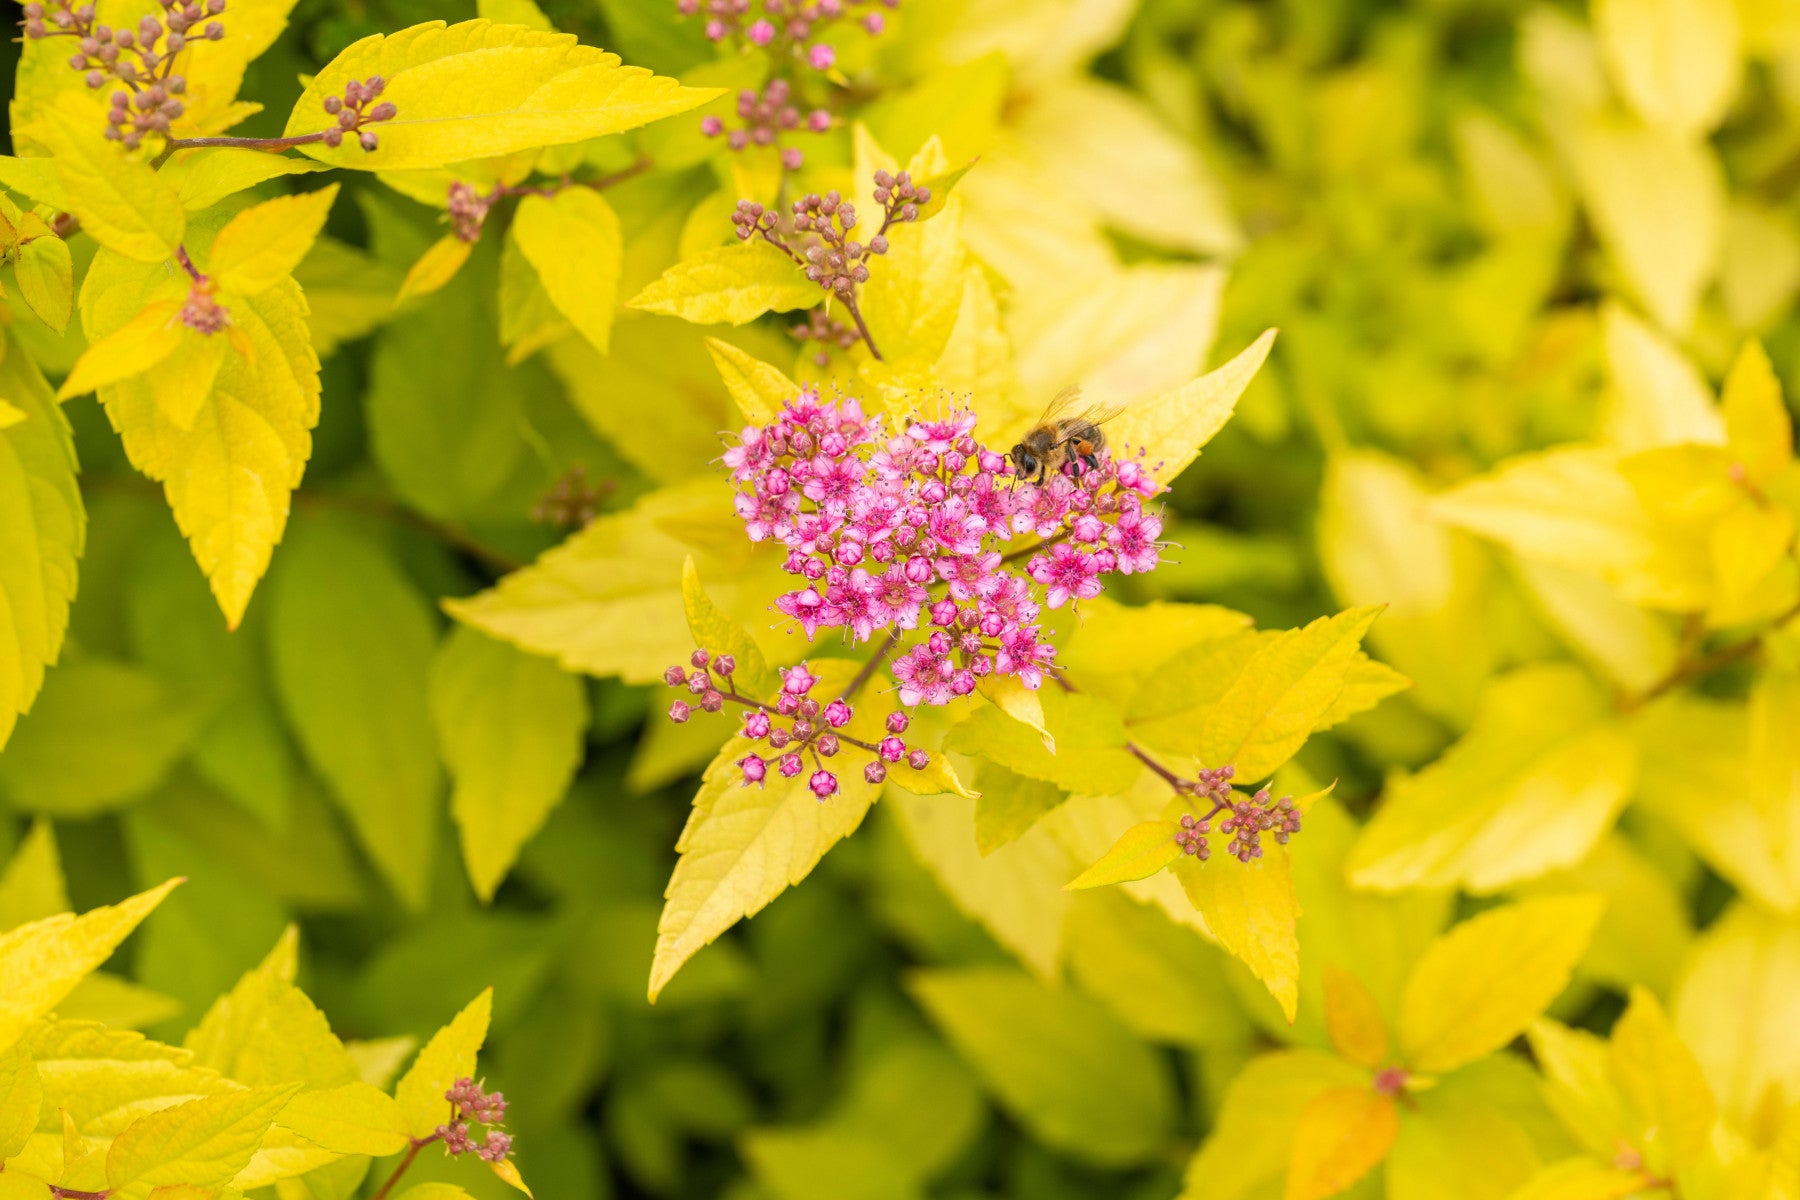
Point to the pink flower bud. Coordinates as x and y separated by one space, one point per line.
679 711
715 31
823 784
711 126
837 713
756 724
918 760
712 701
699 659
826 744
754 768
821 56
725 664
674 676
790 765
818 120
875 771
792 159
891 749
897 722
761 32
918 569
797 680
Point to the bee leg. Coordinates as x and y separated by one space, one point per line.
1092 461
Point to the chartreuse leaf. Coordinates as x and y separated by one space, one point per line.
43 529
1478 986
1140 852
352 1118
1010 805
265 1030
1655 397
718 634
1747 964
31 887
1253 911
1353 1020
912 300
21 1097
730 285
107 1078
206 176
1282 694
1773 765
203 1143
1089 738
262 245
510 728
10 414
1663 1086
1248 1150
1580 1179
434 1190
120 200
1475 1136
1342 1135
1532 787
1019 702
481 90
572 240
132 349
1057 1061
1172 427
41 963
447 1057
434 268
1677 62
353 642
1758 431
759 389
46 274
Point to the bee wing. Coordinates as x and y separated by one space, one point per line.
1072 404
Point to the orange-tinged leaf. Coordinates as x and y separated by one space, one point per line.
1352 1019
1343 1134
1140 852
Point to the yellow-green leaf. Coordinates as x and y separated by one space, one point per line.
718 634
21 1097
1253 911
1655 395
1747 964
120 200
1353 1020
1581 1179
1758 431
263 244
46 276
1086 731
1249 1149
131 349
352 1118
1677 62
183 382
436 267
1478 986
759 389
730 284
206 176
1282 694
1140 852
447 1057
1172 427
510 728
572 241
1341 1137
1662 1082
203 1143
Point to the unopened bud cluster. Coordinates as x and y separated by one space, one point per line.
1246 818
817 234
357 108
141 57
766 116
468 210
573 500
794 726
825 331
470 1105
791 28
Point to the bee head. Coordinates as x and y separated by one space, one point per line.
1025 464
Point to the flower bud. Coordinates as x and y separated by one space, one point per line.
679 712
712 701
754 768
823 784
875 771
790 765
756 725
837 713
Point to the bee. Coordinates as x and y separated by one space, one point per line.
1068 432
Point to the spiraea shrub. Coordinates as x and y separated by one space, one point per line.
900 599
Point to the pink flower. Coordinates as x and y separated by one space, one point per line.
1133 540
754 768
797 680
821 56
761 32
970 575
823 784
924 676
1067 574
1022 654
837 713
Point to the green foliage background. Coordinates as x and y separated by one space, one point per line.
1444 280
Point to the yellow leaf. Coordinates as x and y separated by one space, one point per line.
1530 788
510 728
1581 1179
718 634
206 176
572 240
1677 62
915 290
263 244
21 1097
1353 1020
1140 852
203 1142
120 200
1252 909
41 963
1343 1134
744 845
1022 704
1759 432
183 382
1662 1082
1747 964
10 415
1655 396
481 90
1638 183
45 272
1773 765
436 267
730 285
131 349
516 12
759 389
1479 985
1760 270
1282 694
1172 428
352 1118
1749 541
1471 1138
1248 1150
506 1169
446 1058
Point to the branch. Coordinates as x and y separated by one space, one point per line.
1689 670
412 1152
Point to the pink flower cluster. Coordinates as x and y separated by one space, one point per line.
767 116
471 1105
1246 818
794 725
900 535
792 26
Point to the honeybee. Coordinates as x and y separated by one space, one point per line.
1069 431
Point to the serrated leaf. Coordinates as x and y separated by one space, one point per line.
1343 1134
46 275
1655 396
1140 852
1172 427
264 244
510 727
353 641
572 240
120 200
718 634
132 349
206 176
759 389
911 301
1758 431
352 1118
1056 1060
203 1143
21 1097
1022 704
1478 986
1253 911
41 963
1663 1084
43 530
1282 694
447 1057
1090 739
731 285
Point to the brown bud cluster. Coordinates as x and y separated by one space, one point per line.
355 109
573 500
825 331
141 57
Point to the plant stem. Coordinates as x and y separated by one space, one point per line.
862 327
412 1152
1690 669
875 660
270 145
